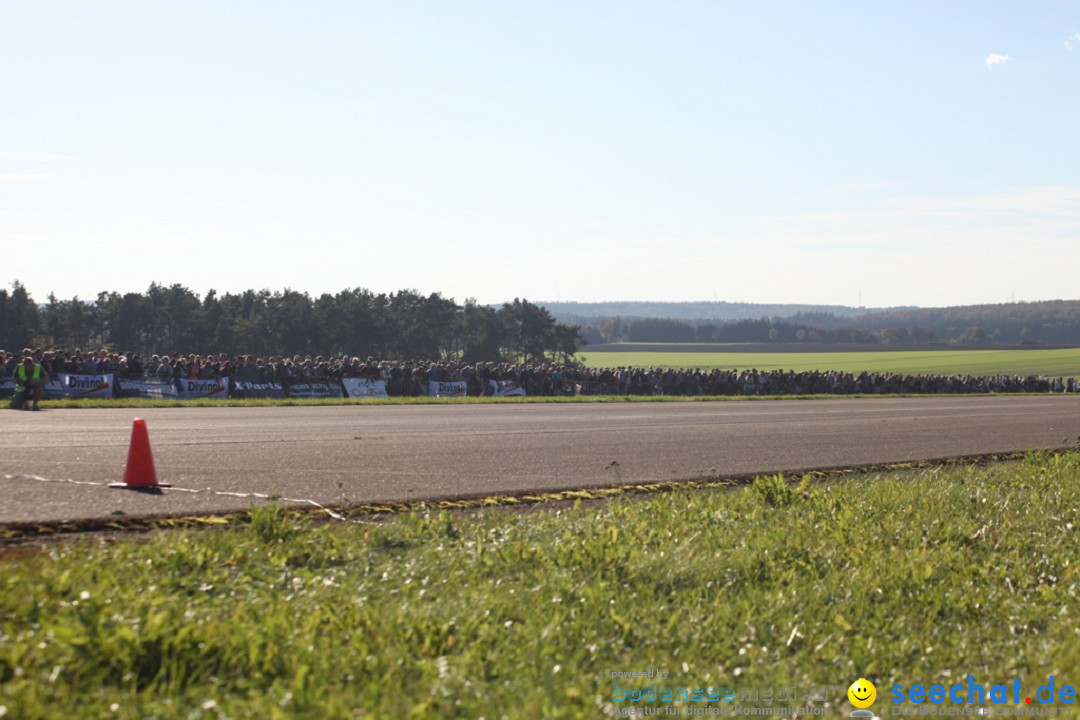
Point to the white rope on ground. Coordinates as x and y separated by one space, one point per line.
211 491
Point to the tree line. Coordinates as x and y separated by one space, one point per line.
399 325
1052 322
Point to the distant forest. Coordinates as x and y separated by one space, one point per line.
409 325
403 325
1054 322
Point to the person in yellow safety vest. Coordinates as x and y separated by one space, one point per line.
30 380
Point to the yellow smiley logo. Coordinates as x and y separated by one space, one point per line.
862 693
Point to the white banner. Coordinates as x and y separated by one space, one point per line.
192 389
147 388
316 389
447 389
364 388
83 386
506 388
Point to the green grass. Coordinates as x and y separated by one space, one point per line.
938 362
901 577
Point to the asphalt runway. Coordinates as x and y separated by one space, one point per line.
54 464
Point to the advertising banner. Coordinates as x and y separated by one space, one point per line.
364 388
447 389
53 389
244 389
147 388
316 389
506 388
194 389
81 386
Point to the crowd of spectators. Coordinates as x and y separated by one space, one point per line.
412 377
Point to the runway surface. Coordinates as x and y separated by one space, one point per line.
400 453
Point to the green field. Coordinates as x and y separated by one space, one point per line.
938 362
906 576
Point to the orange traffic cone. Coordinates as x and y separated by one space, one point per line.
139 472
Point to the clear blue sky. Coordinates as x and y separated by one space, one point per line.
921 153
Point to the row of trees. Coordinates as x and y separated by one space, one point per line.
764 330
405 324
1054 322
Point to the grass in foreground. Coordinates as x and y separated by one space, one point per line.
916 576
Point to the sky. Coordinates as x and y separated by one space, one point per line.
849 152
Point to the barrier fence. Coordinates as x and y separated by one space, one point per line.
68 385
